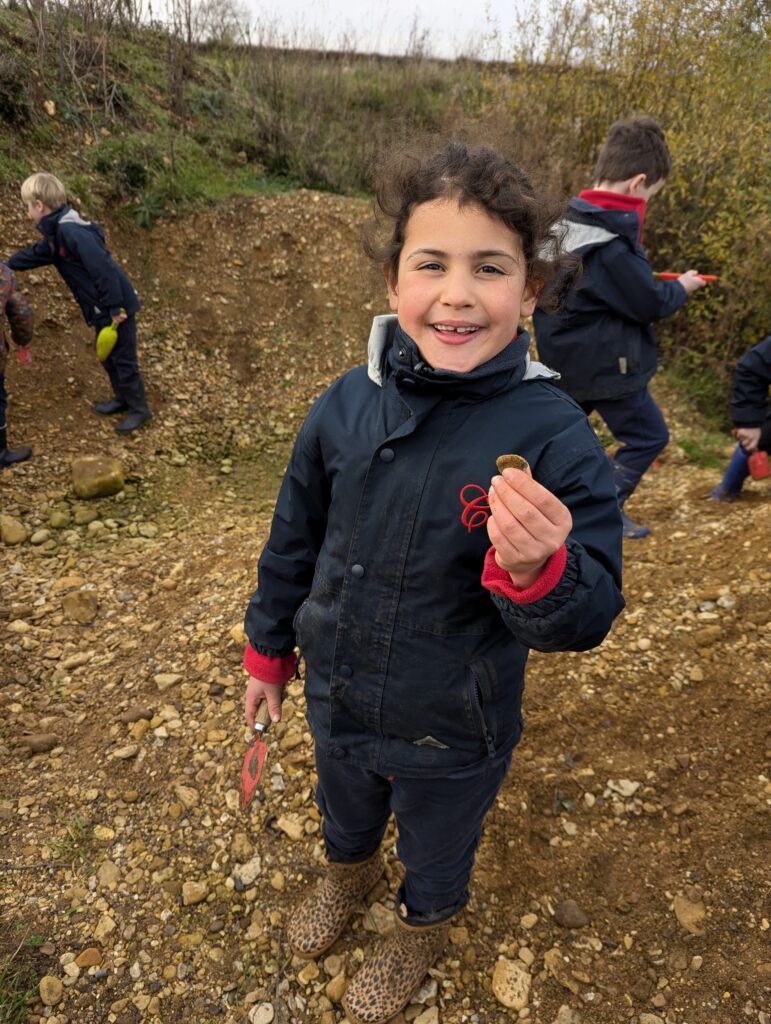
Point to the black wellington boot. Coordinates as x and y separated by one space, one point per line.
112 406
9 456
134 420
139 410
626 481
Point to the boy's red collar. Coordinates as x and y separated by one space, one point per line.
616 201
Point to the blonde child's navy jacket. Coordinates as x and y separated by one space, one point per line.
373 565
77 249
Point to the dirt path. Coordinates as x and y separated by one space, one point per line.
640 790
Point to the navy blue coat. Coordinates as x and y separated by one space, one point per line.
412 667
602 343
752 377
77 249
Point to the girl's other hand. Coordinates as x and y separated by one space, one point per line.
527 525
257 691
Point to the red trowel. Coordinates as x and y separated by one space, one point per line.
255 756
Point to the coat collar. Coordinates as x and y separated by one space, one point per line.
61 215
387 341
611 222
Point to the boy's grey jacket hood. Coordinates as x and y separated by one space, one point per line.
73 217
384 330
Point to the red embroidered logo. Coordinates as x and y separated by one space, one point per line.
476 506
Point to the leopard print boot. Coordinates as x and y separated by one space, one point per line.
385 983
317 923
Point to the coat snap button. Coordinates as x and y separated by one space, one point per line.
402 354
345 671
357 571
337 752
387 455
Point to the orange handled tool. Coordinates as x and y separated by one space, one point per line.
255 756
668 275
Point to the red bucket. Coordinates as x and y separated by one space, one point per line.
758 466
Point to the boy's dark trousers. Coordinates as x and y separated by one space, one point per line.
637 422
439 823
123 368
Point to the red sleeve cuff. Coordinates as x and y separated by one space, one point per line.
498 581
269 670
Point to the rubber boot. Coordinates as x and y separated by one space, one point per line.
319 921
386 980
136 400
10 456
736 473
626 480
133 421
111 407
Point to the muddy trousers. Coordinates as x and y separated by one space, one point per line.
122 368
439 823
638 424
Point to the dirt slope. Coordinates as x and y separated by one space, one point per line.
638 791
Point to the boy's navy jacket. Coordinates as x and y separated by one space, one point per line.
752 377
77 249
412 666
602 343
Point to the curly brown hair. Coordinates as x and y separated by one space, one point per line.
484 177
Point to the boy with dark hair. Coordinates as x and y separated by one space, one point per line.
751 416
77 249
20 318
602 342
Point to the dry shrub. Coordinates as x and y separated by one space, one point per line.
701 69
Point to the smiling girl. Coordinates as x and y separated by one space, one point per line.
414 584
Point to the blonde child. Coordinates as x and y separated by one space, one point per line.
77 249
412 583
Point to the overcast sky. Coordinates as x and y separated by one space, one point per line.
446 28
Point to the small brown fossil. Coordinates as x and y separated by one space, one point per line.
512 462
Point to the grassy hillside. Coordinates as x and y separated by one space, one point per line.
147 123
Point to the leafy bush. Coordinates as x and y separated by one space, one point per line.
147 209
678 61
14 103
128 164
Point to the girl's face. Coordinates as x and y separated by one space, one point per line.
460 291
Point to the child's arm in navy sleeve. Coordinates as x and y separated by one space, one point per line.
38 255
629 287
287 564
749 403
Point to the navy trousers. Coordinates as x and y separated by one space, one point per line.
122 367
3 400
638 423
439 823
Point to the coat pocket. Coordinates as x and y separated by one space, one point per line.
482 684
297 619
